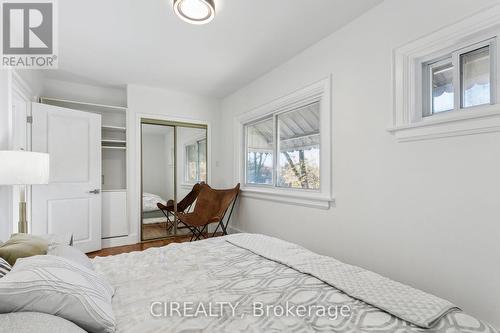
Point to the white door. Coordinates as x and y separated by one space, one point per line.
71 203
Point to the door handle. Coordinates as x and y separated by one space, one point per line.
96 191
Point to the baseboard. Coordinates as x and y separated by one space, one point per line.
119 241
234 230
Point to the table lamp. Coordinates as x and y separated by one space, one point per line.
23 168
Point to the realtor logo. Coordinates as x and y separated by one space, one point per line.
28 34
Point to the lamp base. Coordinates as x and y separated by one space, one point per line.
23 223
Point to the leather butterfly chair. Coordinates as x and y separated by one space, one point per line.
211 207
183 206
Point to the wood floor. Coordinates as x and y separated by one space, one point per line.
160 230
140 247
155 230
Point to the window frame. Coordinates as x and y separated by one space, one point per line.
454 57
428 103
407 121
316 198
276 146
494 74
246 151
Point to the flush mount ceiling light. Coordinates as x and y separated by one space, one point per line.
195 11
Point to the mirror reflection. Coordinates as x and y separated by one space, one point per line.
174 159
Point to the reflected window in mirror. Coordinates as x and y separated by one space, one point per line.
196 161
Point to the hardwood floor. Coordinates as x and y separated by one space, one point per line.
160 230
139 247
155 230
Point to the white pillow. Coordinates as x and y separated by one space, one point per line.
29 322
57 286
57 239
71 253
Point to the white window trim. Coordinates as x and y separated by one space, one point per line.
408 123
322 198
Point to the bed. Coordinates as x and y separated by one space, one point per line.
256 273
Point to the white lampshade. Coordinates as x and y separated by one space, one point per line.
23 168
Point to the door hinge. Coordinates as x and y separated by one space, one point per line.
29 119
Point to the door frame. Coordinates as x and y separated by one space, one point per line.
135 197
18 86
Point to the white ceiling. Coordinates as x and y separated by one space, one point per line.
119 42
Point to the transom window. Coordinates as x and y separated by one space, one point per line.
460 79
283 149
446 83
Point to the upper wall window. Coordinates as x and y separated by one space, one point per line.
460 79
446 83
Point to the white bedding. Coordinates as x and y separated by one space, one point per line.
149 201
216 270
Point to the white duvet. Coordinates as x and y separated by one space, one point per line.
217 270
149 201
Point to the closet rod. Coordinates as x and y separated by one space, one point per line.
122 108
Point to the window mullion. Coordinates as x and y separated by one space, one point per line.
457 84
245 153
494 71
275 150
427 93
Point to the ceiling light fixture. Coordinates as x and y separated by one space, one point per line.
195 11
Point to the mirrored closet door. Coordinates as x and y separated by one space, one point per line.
174 159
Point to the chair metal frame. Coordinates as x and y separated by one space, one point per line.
167 213
198 233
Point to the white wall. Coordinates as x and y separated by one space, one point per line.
165 104
425 213
80 92
34 79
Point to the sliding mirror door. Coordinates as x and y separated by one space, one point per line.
191 163
174 159
158 182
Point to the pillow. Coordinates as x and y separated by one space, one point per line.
22 246
4 267
57 286
57 239
71 253
29 322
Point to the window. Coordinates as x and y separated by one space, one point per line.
196 161
442 86
283 150
446 83
475 77
260 143
299 148
459 80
